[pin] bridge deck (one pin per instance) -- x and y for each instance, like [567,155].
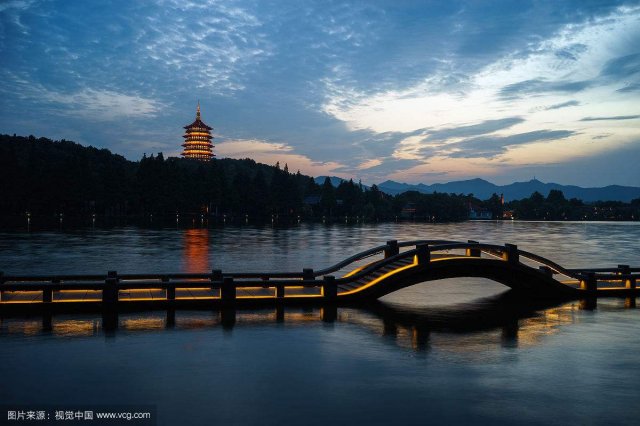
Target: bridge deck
[361,278]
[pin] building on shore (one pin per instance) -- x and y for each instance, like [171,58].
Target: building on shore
[479,213]
[197,140]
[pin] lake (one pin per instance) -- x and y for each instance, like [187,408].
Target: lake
[453,351]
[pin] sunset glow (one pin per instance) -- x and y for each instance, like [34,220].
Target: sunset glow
[415,92]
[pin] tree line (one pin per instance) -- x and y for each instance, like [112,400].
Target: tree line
[556,207]
[42,177]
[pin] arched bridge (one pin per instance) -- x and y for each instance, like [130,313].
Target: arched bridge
[518,269]
[367,275]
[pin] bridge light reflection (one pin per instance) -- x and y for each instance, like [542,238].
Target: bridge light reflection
[451,332]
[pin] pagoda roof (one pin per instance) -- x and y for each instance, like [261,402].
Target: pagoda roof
[198,123]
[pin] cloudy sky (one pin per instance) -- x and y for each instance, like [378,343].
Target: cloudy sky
[414,91]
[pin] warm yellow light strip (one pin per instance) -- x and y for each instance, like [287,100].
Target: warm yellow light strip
[195,298]
[439,259]
[255,297]
[195,288]
[382,277]
[355,271]
[139,299]
[303,295]
[257,288]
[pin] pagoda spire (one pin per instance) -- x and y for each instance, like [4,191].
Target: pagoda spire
[198,111]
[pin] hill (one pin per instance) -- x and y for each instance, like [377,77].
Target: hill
[483,189]
[48,179]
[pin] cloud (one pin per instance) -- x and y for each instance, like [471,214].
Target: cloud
[515,77]
[632,87]
[104,104]
[369,164]
[487,126]
[562,105]
[616,117]
[93,104]
[499,114]
[360,89]
[12,11]
[16,4]
[387,167]
[213,44]
[427,142]
[270,153]
[169,45]
[541,86]
[246,148]
[572,52]
[602,136]
[490,147]
[622,67]
[587,171]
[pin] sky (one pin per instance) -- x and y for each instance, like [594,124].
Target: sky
[412,91]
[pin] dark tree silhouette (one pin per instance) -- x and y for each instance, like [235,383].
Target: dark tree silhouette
[48,178]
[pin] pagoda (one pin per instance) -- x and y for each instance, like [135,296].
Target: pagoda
[197,140]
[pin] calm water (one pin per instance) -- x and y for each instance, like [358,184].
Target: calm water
[455,351]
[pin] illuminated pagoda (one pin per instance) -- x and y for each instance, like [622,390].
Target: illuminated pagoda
[197,140]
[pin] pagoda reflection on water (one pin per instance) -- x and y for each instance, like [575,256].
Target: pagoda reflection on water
[196,251]
[197,143]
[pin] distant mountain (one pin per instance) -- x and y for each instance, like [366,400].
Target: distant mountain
[477,187]
[335,181]
[482,189]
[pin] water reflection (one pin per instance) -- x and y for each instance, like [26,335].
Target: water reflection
[137,250]
[470,328]
[196,251]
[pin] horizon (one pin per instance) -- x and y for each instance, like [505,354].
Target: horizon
[355,180]
[373,91]
[533,179]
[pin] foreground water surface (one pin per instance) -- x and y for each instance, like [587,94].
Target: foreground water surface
[454,351]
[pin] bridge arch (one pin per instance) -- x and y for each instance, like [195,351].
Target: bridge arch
[518,277]
[427,262]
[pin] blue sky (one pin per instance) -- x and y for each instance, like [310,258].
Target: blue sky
[414,91]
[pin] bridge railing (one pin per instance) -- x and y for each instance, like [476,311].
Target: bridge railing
[113,282]
[504,252]
[376,266]
[304,274]
[620,273]
[374,251]
[217,280]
